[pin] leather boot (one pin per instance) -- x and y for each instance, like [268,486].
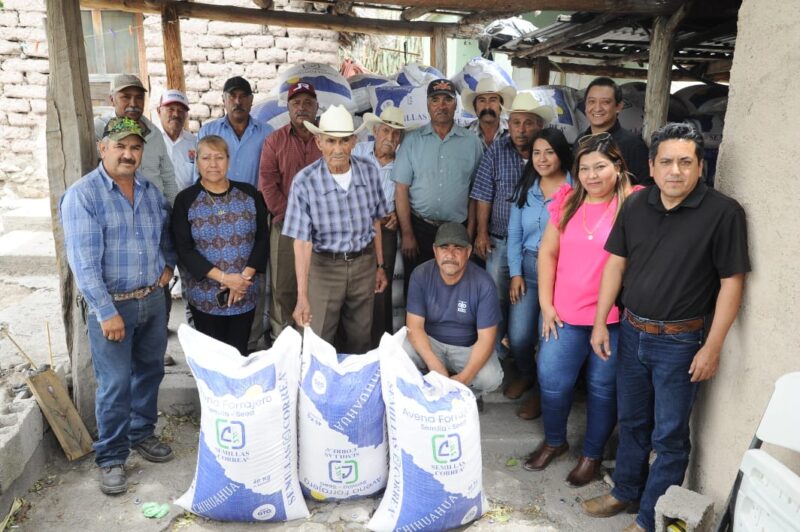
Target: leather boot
[517,387]
[603,506]
[532,407]
[542,456]
[584,472]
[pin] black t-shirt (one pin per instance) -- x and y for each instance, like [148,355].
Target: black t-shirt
[675,258]
[634,151]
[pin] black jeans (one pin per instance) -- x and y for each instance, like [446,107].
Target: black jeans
[233,330]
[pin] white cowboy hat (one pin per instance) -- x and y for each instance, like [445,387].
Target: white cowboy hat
[391,116]
[486,86]
[336,122]
[526,102]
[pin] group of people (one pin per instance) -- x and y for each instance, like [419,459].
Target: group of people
[524,257]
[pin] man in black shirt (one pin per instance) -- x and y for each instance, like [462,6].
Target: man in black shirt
[603,103]
[679,255]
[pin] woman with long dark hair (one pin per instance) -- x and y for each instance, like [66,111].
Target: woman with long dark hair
[545,172]
[571,261]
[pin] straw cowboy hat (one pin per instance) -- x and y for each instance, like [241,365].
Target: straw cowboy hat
[486,86]
[526,102]
[336,122]
[391,116]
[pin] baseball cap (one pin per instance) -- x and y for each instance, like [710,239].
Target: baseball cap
[174,96]
[441,86]
[301,87]
[119,128]
[451,233]
[123,81]
[237,82]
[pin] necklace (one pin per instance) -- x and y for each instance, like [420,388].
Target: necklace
[219,207]
[590,232]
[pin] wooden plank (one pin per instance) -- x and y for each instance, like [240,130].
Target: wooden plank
[644,7]
[99,41]
[414,12]
[278,18]
[173,53]
[70,155]
[616,72]
[61,414]
[579,33]
[541,72]
[439,51]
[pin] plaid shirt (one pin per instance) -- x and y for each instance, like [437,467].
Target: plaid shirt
[112,246]
[333,220]
[498,173]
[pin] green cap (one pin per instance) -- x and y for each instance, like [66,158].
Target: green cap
[451,233]
[119,128]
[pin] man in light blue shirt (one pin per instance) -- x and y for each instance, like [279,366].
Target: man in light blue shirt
[433,175]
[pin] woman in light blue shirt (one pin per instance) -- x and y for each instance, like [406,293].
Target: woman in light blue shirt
[544,173]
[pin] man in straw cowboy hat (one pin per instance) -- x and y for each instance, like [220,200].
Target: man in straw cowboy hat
[487,102]
[334,215]
[497,175]
[388,129]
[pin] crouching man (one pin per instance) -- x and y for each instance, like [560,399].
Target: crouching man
[452,314]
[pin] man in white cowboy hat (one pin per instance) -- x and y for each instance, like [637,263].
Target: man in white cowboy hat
[334,216]
[487,102]
[497,176]
[388,129]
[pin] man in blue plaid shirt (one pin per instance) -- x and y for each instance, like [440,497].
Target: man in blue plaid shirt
[119,249]
[334,215]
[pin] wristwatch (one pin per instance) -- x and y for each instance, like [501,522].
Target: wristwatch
[382,266]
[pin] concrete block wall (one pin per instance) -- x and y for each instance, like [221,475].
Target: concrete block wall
[212,52]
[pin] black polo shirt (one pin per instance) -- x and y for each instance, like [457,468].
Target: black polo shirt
[633,150]
[675,258]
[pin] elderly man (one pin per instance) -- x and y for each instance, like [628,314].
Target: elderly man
[680,250]
[127,98]
[452,314]
[603,104]
[433,175]
[497,176]
[245,138]
[173,110]
[286,151]
[116,234]
[388,129]
[334,216]
[487,102]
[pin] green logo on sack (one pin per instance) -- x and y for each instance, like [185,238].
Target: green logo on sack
[343,471]
[446,447]
[230,434]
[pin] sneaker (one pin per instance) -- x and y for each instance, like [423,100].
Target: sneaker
[113,480]
[153,450]
[479,401]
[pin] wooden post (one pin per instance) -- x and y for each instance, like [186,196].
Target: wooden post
[173,54]
[70,155]
[541,72]
[439,50]
[659,71]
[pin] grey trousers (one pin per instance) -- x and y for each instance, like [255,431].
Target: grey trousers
[282,279]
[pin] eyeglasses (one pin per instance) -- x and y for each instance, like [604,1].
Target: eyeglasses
[596,137]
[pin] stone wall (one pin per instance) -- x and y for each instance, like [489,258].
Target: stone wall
[212,52]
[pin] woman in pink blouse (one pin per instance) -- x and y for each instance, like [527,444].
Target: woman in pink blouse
[571,261]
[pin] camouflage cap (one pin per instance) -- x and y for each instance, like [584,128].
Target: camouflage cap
[119,128]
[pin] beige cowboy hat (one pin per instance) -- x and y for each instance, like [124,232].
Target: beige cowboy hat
[486,86]
[391,116]
[336,121]
[526,102]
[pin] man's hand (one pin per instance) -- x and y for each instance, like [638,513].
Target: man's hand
[302,312]
[381,282]
[483,245]
[463,378]
[408,245]
[438,367]
[166,277]
[517,289]
[390,221]
[601,344]
[113,328]
[704,364]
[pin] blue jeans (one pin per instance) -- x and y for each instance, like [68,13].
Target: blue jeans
[497,266]
[523,320]
[128,375]
[559,364]
[655,398]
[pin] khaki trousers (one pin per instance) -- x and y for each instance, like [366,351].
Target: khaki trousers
[282,279]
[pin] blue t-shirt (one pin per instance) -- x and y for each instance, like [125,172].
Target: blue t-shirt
[453,314]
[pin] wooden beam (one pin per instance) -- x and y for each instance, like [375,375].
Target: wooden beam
[70,155]
[279,18]
[439,51]
[414,12]
[173,53]
[642,7]
[659,72]
[597,26]
[342,7]
[263,4]
[541,72]
[617,72]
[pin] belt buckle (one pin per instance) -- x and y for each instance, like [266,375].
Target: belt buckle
[348,256]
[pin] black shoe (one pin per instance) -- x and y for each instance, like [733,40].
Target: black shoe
[113,480]
[479,400]
[153,450]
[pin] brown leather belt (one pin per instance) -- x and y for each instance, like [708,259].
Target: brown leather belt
[665,327]
[139,293]
[346,256]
